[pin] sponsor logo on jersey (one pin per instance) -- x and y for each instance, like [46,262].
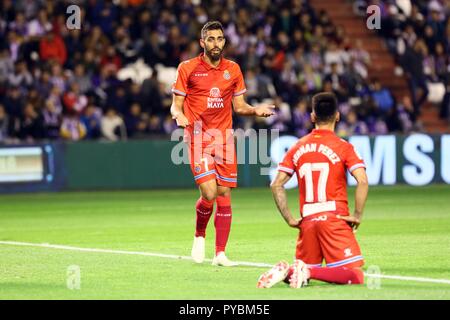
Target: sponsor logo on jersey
[215,100]
[214,92]
[226,75]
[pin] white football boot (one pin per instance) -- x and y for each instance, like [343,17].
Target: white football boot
[277,274]
[198,250]
[300,275]
[221,260]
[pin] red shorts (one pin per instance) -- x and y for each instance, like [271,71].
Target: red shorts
[324,236]
[214,162]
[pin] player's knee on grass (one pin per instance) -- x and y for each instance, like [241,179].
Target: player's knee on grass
[358,276]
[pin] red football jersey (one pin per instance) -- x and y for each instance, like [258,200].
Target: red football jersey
[320,161]
[209,91]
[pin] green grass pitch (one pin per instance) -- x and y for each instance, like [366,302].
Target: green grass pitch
[405,232]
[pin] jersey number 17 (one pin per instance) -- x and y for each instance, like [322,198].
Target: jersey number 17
[306,171]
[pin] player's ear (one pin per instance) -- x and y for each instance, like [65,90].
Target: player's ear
[338,116]
[313,117]
[202,43]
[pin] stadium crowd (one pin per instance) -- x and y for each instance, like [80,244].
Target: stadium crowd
[418,35]
[111,78]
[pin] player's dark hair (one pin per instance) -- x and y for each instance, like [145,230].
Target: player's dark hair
[324,105]
[211,25]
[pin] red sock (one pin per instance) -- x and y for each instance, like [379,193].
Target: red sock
[222,222]
[204,210]
[339,275]
[290,272]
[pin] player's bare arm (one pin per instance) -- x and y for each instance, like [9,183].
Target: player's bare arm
[362,189]
[242,108]
[279,195]
[176,109]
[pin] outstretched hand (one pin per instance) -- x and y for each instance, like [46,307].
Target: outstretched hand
[264,110]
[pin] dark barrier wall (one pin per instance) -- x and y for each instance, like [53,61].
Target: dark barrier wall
[136,164]
[417,159]
[133,164]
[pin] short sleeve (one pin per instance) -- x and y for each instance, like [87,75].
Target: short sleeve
[287,165]
[352,159]
[180,84]
[240,84]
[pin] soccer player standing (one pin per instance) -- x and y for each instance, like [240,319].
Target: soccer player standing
[320,161]
[206,91]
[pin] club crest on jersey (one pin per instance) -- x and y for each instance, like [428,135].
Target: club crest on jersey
[197,168]
[226,75]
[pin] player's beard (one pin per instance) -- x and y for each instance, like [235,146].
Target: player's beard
[213,54]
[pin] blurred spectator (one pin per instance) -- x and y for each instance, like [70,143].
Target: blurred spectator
[91,119]
[13,102]
[4,124]
[413,64]
[110,61]
[58,78]
[382,97]
[405,111]
[311,78]
[52,47]
[360,59]
[282,118]
[444,112]
[259,86]
[31,125]
[150,95]
[441,61]
[169,125]
[19,25]
[21,77]
[152,51]
[51,120]
[135,121]
[112,125]
[43,84]
[352,126]
[39,26]
[104,14]
[74,101]
[315,58]
[81,78]
[6,65]
[155,125]
[301,119]
[338,82]
[72,128]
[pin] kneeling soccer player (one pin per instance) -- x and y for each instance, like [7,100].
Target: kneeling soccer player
[320,160]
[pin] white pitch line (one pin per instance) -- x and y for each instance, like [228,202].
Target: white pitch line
[177,257]
[138,253]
